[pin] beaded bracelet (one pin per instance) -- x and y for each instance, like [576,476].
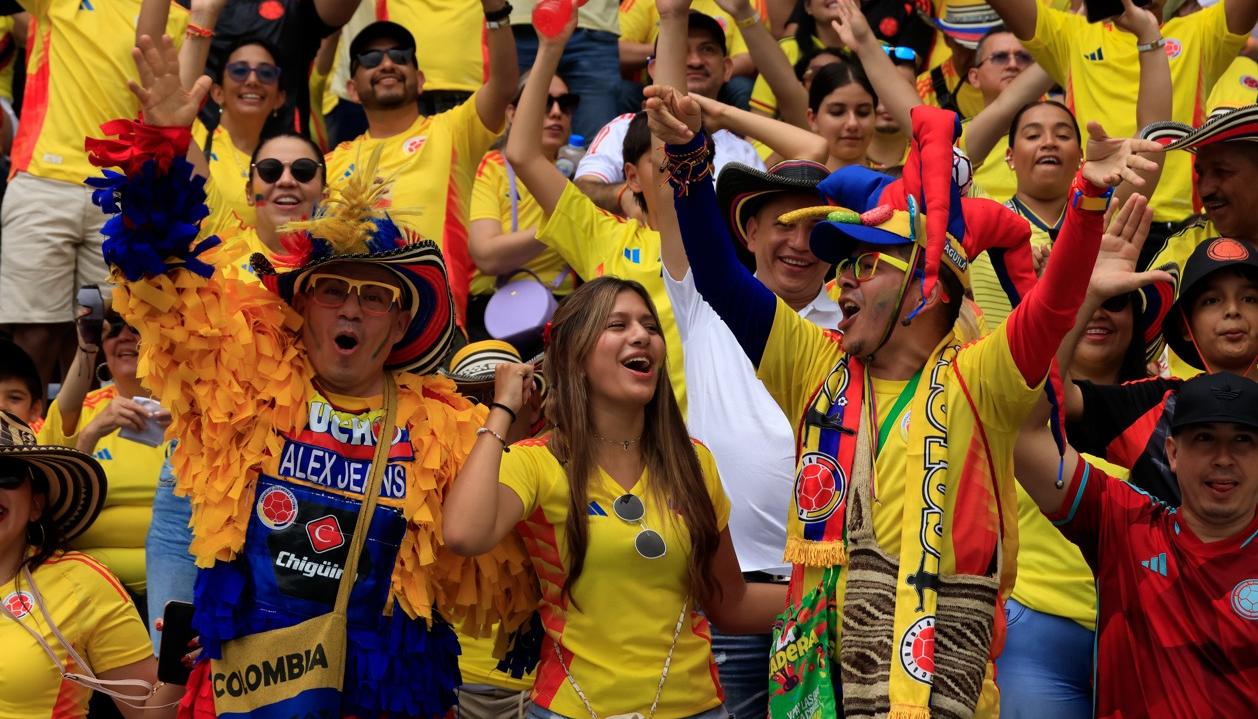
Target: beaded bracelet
[683,169]
[500,438]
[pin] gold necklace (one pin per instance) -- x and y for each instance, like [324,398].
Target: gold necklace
[624,444]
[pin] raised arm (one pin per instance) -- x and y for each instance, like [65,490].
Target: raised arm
[668,101]
[1036,461]
[195,49]
[1241,15]
[478,512]
[770,62]
[1153,102]
[992,122]
[335,13]
[504,72]
[539,174]
[1019,16]
[1036,327]
[152,19]
[788,141]
[895,93]
[164,100]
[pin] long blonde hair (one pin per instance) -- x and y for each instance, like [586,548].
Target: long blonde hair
[667,451]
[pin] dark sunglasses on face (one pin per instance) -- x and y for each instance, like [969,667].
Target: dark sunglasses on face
[398,56]
[1020,58]
[567,102]
[271,170]
[267,73]
[117,325]
[11,481]
[649,543]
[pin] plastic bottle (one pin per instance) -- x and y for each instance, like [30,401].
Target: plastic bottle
[550,16]
[570,155]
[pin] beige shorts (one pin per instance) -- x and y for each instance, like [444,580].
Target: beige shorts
[484,702]
[50,245]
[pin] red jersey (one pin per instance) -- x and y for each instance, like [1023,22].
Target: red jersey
[1177,628]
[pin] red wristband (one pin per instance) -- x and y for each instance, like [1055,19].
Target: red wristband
[195,30]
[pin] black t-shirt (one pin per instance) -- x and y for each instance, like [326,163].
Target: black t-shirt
[294,28]
[1128,424]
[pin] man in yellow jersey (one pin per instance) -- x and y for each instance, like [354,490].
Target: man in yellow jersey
[432,158]
[78,57]
[452,46]
[1096,64]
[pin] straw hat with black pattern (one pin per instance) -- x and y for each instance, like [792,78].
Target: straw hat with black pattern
[742,190]
[1224,125]
[350,227]
[966,21]
[76,483]
[1211,256]
[472,367]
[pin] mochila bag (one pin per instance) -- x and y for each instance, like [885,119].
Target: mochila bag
[299,671]
[801,685]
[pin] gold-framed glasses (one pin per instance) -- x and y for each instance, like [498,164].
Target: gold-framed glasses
[375,298]
[865,265]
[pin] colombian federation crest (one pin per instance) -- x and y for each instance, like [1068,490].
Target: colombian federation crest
[917,650]
[1245,599]
[819,487]
[277,508]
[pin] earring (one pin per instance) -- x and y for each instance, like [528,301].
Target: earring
[107,377]
[30,534]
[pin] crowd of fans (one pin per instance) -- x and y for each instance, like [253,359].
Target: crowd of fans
[741,358]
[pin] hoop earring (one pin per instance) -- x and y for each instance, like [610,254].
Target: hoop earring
[108,376]
[30,539]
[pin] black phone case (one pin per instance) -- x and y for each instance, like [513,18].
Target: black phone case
[177,632]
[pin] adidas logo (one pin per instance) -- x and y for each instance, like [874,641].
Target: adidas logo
[1157,564]
[103,455]
[1095,56]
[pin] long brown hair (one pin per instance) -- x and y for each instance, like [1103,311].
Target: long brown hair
[667,451]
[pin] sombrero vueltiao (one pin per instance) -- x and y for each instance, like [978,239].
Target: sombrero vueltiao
[967,22]
[76,482]
[1224,125]
[350,227]
[742,190]
[472,368]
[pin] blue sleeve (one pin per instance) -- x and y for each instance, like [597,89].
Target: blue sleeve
[742,302]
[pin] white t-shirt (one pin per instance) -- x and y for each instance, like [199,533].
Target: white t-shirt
[605,158]
[732,413]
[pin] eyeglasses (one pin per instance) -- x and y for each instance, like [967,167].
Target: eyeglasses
[865,266]
[567,102]
[905,54]
[302,170]
[1117,303]
[649,543]
[375,298]
[1004,57]
[239,71]
[117,325]
[398,56]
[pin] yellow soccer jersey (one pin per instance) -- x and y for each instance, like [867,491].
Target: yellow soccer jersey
[1099,67]
[969,99]
[1237,87]
[77,67]
[449,40]
[763,100]
[993,177]
[491,200]
[229,173]
[624,249]
[117,536]
[615,643]
[988,293]
[94,614]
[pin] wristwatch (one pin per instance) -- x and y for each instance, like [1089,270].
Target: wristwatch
[1157,44]
[500,18]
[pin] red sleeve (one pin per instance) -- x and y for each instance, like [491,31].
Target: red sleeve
[1037,326]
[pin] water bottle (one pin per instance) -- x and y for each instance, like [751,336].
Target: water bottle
[570,155]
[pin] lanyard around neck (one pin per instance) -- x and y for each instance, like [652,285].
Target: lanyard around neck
[906,394]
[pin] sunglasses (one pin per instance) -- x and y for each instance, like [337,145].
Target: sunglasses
[117,325]
[12,481]
[567,102]
[333,291]
[239,71]
[904,54]
[649,543]
[865,266]
[398,56]
[1020,58]
[271,170]
[1117,303]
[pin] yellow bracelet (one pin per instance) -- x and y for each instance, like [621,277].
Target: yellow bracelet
[746,22]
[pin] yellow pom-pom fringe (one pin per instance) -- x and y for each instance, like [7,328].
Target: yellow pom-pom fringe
[815,554]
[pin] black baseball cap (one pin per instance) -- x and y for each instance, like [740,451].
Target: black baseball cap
[1216,397]
[379,30]
[1209,257]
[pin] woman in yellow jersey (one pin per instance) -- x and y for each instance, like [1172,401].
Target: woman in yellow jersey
[106,423]
[66,624]
[248,93]
[505,217]
[623,515]
[842,108]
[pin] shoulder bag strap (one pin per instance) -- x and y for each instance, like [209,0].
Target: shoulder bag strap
[371,493]
[514,193]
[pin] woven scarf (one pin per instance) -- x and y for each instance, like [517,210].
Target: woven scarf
[893,660]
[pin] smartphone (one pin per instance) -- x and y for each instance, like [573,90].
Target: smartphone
[177,634]
[92,324]
[153,433]
[1100,10]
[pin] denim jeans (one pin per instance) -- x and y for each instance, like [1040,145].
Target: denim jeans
[536,712]
[742,661]
[591,67]
[1046,667]
[170,567]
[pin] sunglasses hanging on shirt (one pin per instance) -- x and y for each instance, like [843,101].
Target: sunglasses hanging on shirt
[629,508]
